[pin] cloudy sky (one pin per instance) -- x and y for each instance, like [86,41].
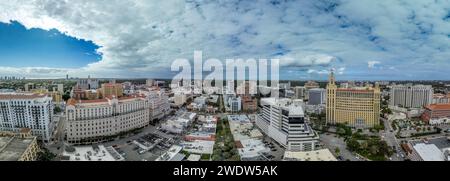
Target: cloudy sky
[360,39]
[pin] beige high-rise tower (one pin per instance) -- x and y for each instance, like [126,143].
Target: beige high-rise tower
[357,107]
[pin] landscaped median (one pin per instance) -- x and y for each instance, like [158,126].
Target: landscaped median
[224,148]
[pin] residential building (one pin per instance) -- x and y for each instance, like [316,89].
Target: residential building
[87,84]
[180,99]
[94,121]
[411,96]
[26,110]
[284,121]
[109,90]
[150,82]
[159,103]
[357,107]
[299,92]
[249,104]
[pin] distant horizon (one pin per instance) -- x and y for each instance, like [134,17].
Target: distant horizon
[143,78]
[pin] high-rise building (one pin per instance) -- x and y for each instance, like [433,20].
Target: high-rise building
[249,104]
[150,82]
[180,99]
[284,121]
[94,121]
[112,90]
[357,107]
[235,104]
[159,104]
[87,84]
[299,92]
[29,87]
[25,110]
[411,96]
[317,96]
[60,88]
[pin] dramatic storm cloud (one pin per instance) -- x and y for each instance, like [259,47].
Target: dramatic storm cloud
[361,39]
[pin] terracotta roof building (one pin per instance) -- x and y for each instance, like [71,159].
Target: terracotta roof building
[437,114]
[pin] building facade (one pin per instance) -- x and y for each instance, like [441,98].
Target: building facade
[18,146]
[159,104]
[409,96]
[284,121]
[111,90]
[24,110]
[357,107]
[436,114]
[299,92]
[94,121]
[317,96]
[441,99]
[249,104]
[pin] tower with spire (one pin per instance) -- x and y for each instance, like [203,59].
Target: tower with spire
[331,98]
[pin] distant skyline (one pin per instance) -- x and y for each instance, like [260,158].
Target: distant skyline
[360,39]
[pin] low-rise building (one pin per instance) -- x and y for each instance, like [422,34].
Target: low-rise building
[179,124]
[428,152]
[436,114]
[317,155]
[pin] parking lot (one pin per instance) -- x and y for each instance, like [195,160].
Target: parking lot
[148,145]
[276,150]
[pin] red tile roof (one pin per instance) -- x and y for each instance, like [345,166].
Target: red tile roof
[21,96]
[435,107]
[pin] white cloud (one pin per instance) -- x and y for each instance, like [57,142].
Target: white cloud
[143,37]
[372,64]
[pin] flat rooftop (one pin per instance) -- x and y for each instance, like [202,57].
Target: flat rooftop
[429,152]
[12,148]
[317,155]
[93,153]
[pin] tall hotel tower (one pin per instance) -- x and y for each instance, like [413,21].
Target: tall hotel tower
[357,107]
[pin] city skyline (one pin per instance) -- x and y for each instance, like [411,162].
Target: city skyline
[361,40]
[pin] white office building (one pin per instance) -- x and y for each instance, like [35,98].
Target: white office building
[284,121]
[409,96]
[34,111]
[235,104]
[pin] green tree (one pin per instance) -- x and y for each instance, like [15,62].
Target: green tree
[45,155]
[57,109]
[66,96]
[353,145]
[337,151]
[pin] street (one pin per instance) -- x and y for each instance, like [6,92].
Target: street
[388,134]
